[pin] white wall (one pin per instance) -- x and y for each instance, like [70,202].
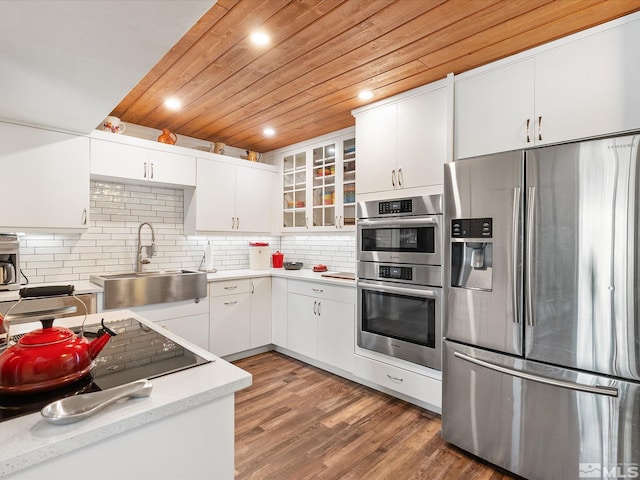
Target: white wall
[110,244]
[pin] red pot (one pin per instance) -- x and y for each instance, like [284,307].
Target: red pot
[49,357]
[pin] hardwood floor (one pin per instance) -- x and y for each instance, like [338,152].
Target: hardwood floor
[298,422]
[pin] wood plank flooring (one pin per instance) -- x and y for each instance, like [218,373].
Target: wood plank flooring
[298,422]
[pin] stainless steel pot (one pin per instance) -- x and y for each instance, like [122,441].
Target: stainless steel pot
[7,273]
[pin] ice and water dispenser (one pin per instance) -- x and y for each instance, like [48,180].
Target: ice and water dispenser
[472,253]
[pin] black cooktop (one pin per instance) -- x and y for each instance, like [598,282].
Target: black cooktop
[137,352]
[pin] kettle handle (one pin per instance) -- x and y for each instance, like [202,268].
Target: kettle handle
[47,291]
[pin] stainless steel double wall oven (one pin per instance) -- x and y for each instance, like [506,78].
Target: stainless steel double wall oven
[400,278]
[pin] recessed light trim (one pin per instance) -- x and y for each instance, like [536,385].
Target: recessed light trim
[260,38]
[269,132]
[173,103]
[365,95]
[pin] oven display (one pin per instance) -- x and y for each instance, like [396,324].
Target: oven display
[395,206]
[398,273]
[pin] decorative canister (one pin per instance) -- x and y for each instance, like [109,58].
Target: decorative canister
[167,137]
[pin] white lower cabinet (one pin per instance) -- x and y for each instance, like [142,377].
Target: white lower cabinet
[279,319]
[320,322]
[240,315]
[412,384]
[188,319]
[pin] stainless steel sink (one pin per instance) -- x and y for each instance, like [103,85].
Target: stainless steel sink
[133,289]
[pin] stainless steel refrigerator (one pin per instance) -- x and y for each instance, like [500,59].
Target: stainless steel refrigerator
[541,358]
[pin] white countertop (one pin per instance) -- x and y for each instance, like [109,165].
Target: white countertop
[29,439]
[303,274]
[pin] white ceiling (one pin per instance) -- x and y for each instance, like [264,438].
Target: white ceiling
[68,63]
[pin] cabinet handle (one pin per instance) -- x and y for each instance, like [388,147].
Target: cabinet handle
[84,216]
[145,170]
[233,223]
[237,223]
[229,304]
[319,304]
[151,176]
[393,178]
[341,222]
[540,127]
[337,224]
[400,177]
[315,303]
[318,290]
[253,289]
[231,287]
[528,130]
[306,222]
[395,379]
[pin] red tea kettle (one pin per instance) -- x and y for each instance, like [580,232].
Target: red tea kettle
[49,357]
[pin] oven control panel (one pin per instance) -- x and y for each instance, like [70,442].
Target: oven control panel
[394,272]
[395,206]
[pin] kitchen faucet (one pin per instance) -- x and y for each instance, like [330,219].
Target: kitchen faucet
[149,249]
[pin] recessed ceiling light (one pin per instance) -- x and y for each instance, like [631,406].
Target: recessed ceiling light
[260,38]
[365,95]
[173,103]
[269,132]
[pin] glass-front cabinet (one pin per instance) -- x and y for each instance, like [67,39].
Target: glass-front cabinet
[319,189]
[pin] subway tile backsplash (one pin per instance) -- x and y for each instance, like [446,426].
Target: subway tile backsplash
[110,243]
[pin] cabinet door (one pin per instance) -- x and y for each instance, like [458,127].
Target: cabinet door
[194,329]
[230,324]
[376,146]
[422,139]
[279,311]
[118,160]
[260,312]
[46,179]
[172,168]
[336,333]
[589,87]
[302,324]
[253,199]
[215,196]
[492,110]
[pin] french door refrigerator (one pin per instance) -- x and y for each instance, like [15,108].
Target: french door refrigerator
[541,358]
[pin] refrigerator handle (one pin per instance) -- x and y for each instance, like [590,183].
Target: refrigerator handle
[515,257]
[600,390]
[529,255]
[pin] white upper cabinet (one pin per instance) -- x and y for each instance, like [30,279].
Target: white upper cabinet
[46,179]
[319,185]
[577,88]
[493,110]
[134,160]
[402,142]
[230,197]
[589,87]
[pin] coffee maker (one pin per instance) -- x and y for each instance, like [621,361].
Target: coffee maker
[9,262]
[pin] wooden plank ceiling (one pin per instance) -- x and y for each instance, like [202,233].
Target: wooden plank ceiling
[323,52]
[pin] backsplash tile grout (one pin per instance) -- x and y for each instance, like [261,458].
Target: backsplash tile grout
[110,243]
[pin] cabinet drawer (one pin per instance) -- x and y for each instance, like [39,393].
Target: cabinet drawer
[420,387]
[323,290]
[229,287]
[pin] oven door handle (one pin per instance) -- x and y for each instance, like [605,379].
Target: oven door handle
[414,292]
[399,222]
